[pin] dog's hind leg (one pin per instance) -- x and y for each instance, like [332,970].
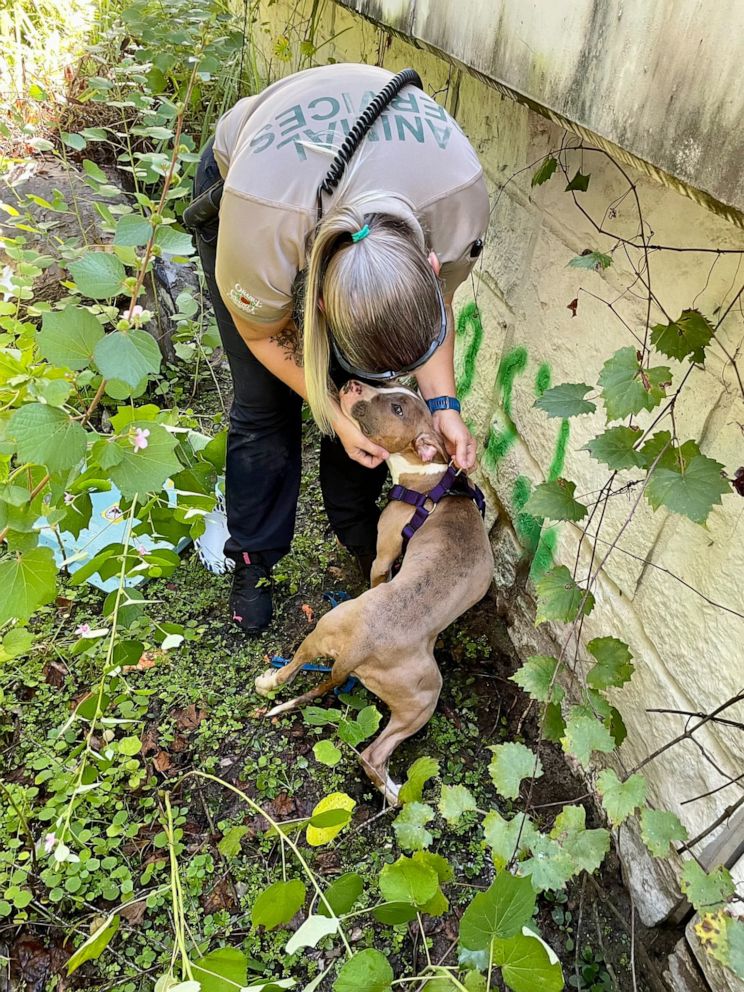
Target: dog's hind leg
[411,706]
[273,678]
[306,697]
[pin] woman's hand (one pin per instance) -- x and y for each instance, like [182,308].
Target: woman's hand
[356,445]
[459,442]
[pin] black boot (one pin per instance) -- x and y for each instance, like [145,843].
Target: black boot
[250,597]
[364,557]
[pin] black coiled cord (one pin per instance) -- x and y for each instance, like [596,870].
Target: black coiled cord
[363,123]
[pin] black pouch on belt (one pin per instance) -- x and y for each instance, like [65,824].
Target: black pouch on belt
[204,208]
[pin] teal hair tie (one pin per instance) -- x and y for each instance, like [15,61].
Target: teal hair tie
[360,234]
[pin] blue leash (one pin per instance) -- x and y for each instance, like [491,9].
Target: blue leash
[334,598]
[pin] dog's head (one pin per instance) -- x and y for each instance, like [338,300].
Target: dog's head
[393,417]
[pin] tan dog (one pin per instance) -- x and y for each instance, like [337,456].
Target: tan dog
[386,636]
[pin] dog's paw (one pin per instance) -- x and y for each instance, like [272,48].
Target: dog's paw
[266,683]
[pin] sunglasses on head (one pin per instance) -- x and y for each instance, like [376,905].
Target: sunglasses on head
[347,366]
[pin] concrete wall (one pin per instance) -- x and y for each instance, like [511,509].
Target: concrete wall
[687,651]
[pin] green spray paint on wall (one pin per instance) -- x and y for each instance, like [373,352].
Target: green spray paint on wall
[539,542]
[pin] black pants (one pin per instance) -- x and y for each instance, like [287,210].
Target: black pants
[264,440]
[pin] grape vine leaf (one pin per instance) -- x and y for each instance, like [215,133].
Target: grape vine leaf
[47,436]
[735,938]
[526,963]
[560,598]
[146,470]
[537,678]
[555,501]
[419,774]
[439,864]
[69,337]
[591,260]
[566,400]
[511,763]
[659,828]
[707,891]
[614,667]
[366,971]
[278,903]
[408,880]
[689,334]
[550,867]
[620,799]
[692,492]
[410,826]
[627,388]
[553,724]
[615,448]
[508,838]
[584,735]
[545,171]
[454,801]
[501,911]
[128,356]
[98,275]
[579,182]
[229,846]
[660,451]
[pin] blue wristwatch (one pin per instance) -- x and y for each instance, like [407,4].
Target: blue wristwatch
[443,403]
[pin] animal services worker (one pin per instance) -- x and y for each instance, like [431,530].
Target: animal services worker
[304,304]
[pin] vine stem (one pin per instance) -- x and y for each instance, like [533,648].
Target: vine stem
[727,814]
[284,838]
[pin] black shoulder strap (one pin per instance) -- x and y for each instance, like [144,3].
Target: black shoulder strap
[363,123]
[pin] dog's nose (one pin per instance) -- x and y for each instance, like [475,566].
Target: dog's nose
[352,386]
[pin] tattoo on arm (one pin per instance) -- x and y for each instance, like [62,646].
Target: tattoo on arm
[289,340]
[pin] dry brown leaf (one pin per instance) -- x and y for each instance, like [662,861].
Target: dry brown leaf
[148,660]
[134,912]
[55,673]
[222,896]
[149,740]
[308,611]
[162,761]
[189,717]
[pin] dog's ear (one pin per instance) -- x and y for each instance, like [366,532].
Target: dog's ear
[428,445]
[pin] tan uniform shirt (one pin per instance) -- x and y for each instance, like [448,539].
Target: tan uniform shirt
[274,149]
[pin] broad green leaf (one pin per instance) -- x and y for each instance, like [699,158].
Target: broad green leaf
[47,436]
[17,643]
[408,880]
[553,724]
[132,230]
[560,598]
[659,828]
[94,171]
[566,400]
[95,945]
[392,914]
[75,141]
[614,667]
[223,970]
[342,894]
[174,242]
[526,965]
[128,356]
[550,866]
[146,470]
[586,848]
[693,492]
[707,891]
[620,799]
[438,905]
[579,182]
[278,904]
[326,753]
[312,931]
[69,337]
[229,846]
[28,581]
[585,735]
[353,732]
[441,866]
[660,451]
[454,801]
[499,912]
[511,763]
[615,448]
[317,836]
[98,275]
[545,171]
[555,501]
[419,774]
[591,260]
[537,678]
[735,938]
[689,334]
[410,826]
[627,388]
[366,971]
[508,838]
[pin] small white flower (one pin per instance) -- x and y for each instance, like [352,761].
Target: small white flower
[49,842]
[139,440]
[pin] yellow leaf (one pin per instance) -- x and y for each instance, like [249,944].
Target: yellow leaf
[317,836]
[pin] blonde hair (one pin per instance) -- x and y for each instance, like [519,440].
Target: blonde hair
[379,295]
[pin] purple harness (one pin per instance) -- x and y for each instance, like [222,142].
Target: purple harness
[453,483]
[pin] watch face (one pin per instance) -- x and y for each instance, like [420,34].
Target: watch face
[476,248]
